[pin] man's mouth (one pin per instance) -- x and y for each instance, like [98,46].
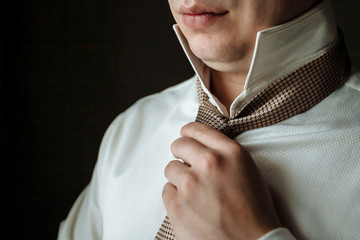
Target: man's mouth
[196,9]
[205,13]
[198,17]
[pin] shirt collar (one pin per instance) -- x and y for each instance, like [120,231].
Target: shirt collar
[278,51]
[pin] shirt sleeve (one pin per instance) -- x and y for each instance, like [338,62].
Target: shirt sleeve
[85,220]
[278,234]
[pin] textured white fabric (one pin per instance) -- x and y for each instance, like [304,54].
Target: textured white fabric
[311,162]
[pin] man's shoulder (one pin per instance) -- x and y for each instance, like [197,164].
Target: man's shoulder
[162,113]
[160,103]
[153,109]
[167,97]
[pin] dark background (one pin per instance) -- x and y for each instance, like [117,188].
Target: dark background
[68,69]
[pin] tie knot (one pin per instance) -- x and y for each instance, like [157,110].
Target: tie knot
[215,119]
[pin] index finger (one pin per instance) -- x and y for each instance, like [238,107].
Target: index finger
[206,135]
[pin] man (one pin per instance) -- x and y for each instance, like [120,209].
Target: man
[294,176]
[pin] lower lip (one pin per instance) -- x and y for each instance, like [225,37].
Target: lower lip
[201,20]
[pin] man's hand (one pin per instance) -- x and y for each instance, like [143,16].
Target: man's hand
[218,193]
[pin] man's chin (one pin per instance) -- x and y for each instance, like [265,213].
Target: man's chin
[222,66]
[207,53]
[218,58]
[216,61]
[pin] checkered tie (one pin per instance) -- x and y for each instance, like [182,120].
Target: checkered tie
[286,97]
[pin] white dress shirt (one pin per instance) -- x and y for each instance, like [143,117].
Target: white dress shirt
[311,162]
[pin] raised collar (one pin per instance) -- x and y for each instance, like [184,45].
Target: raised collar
[278,51]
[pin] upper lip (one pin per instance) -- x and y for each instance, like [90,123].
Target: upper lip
[201,10]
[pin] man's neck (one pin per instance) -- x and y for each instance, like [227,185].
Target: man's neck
[227,86]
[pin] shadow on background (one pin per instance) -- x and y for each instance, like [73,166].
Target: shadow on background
[68,69]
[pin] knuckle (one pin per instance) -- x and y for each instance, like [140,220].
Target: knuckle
[165,192]
[201,129]
[174,146]
[169,168]
[239,153]
[236,149]
[171,203]
[178,144]
[188,183]
[209,161]
[173,206]
[186,129]
[194,129]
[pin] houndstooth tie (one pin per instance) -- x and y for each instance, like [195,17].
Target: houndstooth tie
[286,97]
